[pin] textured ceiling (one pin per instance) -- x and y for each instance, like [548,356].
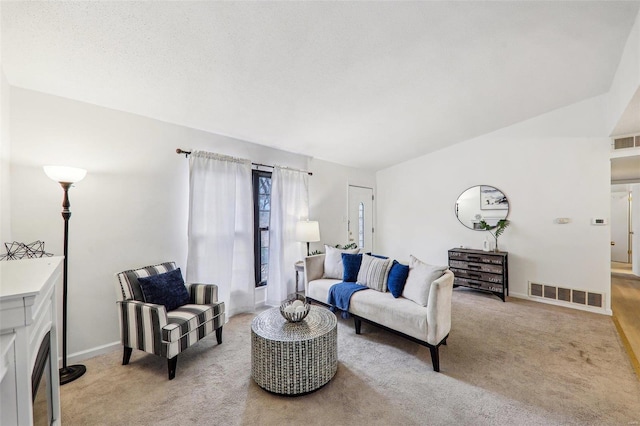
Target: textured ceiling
[366,84]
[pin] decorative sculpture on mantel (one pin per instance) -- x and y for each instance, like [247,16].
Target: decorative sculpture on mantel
[17,250]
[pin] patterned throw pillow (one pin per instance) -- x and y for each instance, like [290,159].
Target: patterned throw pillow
[418,284]
[333,267]
[166,289]
[374,272]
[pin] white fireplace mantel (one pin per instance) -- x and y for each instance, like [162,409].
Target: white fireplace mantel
[27,314]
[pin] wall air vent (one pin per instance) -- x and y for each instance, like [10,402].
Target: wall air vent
[622,142]
[566,295]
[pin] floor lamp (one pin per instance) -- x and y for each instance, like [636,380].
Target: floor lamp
[66,176]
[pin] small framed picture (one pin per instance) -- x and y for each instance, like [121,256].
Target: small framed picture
[492,199]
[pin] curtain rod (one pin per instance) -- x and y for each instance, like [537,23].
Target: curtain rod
[186,155]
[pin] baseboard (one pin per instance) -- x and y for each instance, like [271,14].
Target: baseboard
[90,353]
[601,311]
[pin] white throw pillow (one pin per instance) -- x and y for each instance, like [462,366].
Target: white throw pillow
[374,272]
[333,267]
[421,275]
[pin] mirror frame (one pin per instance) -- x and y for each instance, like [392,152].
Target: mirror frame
[478,216]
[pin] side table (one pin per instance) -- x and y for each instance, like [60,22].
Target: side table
[299,269]
[294,358]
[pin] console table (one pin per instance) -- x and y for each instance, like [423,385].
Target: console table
[481,270]
[294,358]
[28,338]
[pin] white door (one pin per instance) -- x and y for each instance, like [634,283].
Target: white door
[360,225]
[620,227]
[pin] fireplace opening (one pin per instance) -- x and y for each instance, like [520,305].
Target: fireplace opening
[41,395]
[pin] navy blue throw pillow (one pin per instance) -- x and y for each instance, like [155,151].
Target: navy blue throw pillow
[379,256]
[165,289]
[397,278]
[351,263]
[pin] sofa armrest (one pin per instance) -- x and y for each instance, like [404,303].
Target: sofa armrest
[203,294]
[439,308]
[313,269]
[141,325]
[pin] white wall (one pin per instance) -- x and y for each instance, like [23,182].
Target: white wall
[329,202]
[130,210]
[627,79]
[5,155]
[555,165]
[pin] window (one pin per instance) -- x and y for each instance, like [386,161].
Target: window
[361,225]
[261,216]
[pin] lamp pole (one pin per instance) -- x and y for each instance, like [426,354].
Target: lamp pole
[66,176]
[67,373]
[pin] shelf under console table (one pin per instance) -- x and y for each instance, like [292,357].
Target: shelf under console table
[480,270]
[28,338]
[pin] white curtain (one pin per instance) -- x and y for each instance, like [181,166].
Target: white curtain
[221,228]
[289,204]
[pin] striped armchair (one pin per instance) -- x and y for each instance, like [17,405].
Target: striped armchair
[150,328]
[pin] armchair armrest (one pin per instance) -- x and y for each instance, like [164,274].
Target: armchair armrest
[141,325]
[203,294]
[313,268]
[439,308]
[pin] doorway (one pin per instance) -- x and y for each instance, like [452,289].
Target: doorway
[360,225]
[621,227]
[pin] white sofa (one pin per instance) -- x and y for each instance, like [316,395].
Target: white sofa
[428,326]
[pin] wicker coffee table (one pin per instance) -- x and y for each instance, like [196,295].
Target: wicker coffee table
[294,358]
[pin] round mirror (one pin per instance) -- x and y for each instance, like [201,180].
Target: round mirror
[479,203]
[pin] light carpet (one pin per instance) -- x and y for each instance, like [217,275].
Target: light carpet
[513,363]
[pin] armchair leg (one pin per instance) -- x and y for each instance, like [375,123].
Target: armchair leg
[219,335]
[172,363]
[127,355]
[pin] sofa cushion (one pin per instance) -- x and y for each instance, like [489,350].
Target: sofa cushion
[399,314]
[333,267]
[419,280]
[351,263]
[397,278]
[374,272]
[166,289]
[319,289]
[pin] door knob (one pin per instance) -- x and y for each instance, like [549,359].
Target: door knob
[613,243]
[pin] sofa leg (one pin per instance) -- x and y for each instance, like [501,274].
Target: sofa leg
[357,322]
[219,335]
[127,355]
[435,358]
[172,363]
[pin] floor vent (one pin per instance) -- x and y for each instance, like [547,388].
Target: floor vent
[626,142]
[568,295]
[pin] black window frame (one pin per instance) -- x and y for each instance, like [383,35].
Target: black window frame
[257,230]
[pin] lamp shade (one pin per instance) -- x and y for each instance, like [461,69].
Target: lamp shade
[308,231]
[65,174]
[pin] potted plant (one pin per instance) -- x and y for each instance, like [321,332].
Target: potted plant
[496,230]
